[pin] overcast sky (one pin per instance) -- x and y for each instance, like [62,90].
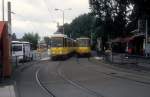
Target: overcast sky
[39,15]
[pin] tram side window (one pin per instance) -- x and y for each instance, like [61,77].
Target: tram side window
[72,43]
[69,42]
[65,42]
[49,43]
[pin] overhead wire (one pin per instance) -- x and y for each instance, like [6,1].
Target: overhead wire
[48,9]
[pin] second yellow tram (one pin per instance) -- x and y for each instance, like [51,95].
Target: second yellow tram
[83,46]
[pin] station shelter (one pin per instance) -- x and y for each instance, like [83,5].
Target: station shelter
[132,44]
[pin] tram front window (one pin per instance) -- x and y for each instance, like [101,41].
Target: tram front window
[57,42]
[83,43]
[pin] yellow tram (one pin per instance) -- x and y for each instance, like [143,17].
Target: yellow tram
[61,45]
[83,46]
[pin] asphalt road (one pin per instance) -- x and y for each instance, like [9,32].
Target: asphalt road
[77,77]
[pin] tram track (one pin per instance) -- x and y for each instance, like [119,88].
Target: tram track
[76,84]
[85,89]
[18,73]
[67,80]
[42,86]
[31,81]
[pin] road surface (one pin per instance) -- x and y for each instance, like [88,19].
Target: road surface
[78,77]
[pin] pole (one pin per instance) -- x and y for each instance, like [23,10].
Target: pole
[9,17]
[91,38]
[63,22]
[138,25]
[63,12]
[9,12]
[146,37]
[3,10]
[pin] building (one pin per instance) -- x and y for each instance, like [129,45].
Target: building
[5,63]
[134,44]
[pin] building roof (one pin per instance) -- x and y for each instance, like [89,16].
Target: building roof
[83,38]
[59,35]
[127,39]
[20,42]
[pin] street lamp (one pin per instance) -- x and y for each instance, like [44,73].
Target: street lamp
[62,10]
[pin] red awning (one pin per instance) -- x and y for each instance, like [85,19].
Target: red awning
[127,39]
[1,28]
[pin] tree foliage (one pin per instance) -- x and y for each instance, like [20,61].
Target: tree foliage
[112,14]
[109,19]
[46,40]
[33,38]
[13,36]
[120,16]
[80,26]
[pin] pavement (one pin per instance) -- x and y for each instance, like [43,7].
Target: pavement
[7,91]
[102,80]
[122,59]
[78,78]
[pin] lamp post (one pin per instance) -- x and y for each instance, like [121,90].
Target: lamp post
[63,14]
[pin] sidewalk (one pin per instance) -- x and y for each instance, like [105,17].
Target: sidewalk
[121,72]
[141,62]
[7,91]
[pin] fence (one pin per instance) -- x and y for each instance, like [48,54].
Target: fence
[18,61]
[130,60]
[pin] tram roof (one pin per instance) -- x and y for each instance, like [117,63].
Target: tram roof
[59,35]
[83,38]
[23,42]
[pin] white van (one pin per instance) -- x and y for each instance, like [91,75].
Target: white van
[21,50]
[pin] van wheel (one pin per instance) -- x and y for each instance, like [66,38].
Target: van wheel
[53,58]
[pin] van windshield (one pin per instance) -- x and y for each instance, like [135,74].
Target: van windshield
[17,48]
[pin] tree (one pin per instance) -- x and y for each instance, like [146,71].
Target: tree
[141,11]
[46,39]
[80,26]
[123,13]
[113,13]
[14,37]
[118,17]
[112,18]
[33,38]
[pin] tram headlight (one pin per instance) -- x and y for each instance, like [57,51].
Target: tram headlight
[53,52]
[60,52]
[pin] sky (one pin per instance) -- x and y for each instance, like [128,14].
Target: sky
[39,16]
